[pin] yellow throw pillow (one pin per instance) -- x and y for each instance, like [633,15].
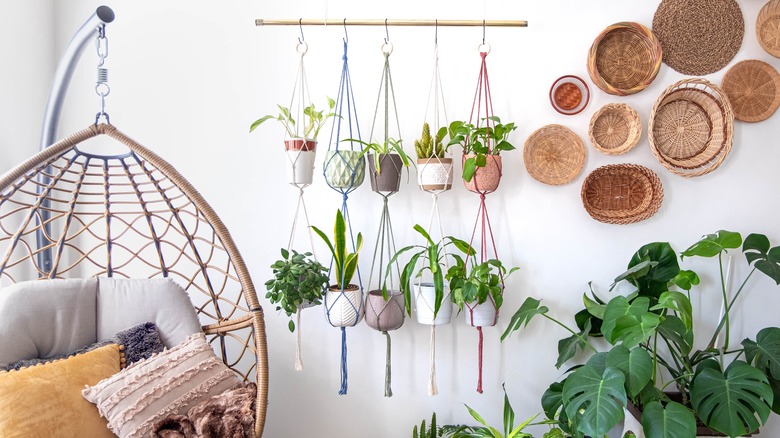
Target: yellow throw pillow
[45,400]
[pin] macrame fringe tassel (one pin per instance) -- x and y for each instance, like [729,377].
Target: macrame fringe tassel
[479,381]
[433,389]
[343,389]
[388,372]
[298,361]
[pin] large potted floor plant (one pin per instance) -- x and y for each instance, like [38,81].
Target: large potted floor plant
[482,146]
[651,360]
[301,142]
[434,173]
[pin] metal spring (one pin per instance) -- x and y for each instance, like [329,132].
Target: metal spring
[102,76]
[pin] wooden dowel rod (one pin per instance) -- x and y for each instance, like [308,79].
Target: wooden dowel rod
[389,22]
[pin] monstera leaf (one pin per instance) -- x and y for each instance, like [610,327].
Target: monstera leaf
[595,400]
[629,322]
[673,421]
[567,347]
[636,365]
[524,314]
[732,402]
[764,353]
[662,267]
[767,260]
[714,244]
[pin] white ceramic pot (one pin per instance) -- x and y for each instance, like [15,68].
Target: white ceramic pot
[300,166]
[424,302]
[481,315]
[344,308]
[434,174]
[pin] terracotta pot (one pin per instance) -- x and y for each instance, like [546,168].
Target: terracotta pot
[389,177]
[300,166]
[434,174]
[424,302]
[344,169]
[481,315]
[384,315]
[486,179]
[300,144]
[344,308]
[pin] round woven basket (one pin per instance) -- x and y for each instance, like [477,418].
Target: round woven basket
[768,28]
[615,129]
[753,88]
[569,95]
[624,59]
[622,193]
[554,154]
[691,127]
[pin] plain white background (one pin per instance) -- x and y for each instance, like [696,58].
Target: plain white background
[188,78]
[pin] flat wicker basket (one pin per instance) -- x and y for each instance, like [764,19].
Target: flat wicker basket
[753,88]
[624,59]
[615,129]
[554,154]
[622,193]
[691,127]
[768,28]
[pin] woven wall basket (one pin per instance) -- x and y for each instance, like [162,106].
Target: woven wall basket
[753,88]
[554,154]
[768,28]
[615,129]
[622,193]
[691,127]
[624,59]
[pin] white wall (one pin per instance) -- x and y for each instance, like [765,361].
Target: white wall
[188,77]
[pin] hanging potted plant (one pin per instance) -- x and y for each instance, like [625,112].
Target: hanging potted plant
[301,142]
[719,389]
[389,155]
[298,282]
[479,288]
[343,300]
[482,146]
[435,170]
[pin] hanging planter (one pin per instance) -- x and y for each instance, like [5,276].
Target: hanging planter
[487,178]
[344,308]
[344,169]
[389,179]
[301,153]
[425,305]
[481,315]
[434,174]
[384,314]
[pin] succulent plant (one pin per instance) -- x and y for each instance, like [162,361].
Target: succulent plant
[425,432]
[427,146]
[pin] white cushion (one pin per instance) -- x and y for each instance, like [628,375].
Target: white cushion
[123,303]
[43,318]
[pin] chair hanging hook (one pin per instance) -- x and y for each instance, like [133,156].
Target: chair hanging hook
[101,86]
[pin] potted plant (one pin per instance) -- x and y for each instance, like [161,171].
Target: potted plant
[435,170]
[343,300]
[298,282]
[301,143]
[479,288]
[482,146]
[652,349]
[430,305]
[431,431]
[389,154]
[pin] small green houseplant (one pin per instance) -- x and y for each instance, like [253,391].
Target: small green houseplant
[487,431]
[434,168]
[310,127]
[433,255]
[427,432]
[650,335]
[473,283]
[428,146]
[479,142]
[298,280]
[380,150]
[345,263]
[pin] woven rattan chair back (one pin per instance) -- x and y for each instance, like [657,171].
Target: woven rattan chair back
[132,215]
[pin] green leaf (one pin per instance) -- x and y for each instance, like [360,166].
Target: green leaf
[596,400]
[632,331]
[764,353]
[552,399]
[567,347]
[482,421]
[663,267]
[678,302]
[714,244]
[509,414]
[593,307]
[524,314]
[259,121]
[291,326]
[469,168]
[766,259]
[636,365]
[732,402]
[619,307]
[673,329]
[775,384]
[673,421]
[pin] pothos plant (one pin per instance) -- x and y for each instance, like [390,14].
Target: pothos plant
[651,349]
[489,139]
[308,128]
[298,280]
[475,282]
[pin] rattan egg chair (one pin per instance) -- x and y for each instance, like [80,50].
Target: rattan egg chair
[132,215]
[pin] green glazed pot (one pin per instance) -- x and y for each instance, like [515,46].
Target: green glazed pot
[344,169]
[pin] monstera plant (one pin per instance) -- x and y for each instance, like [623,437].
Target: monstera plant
[651,361]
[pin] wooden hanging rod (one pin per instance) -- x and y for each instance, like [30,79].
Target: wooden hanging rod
[390,22]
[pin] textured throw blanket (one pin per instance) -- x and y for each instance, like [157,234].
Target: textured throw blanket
[228,415]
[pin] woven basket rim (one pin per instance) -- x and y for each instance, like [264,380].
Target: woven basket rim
[653,50]
[770,11]
[698,165]
[629,115]
[564,141]
[651,203]
[583,87]
[742,100]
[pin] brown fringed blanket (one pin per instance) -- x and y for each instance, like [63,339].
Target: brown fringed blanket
[228,415]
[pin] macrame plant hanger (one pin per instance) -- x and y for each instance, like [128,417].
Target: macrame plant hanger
[385,305]
[481,115]
[344,171]
[434,177]
[300,153]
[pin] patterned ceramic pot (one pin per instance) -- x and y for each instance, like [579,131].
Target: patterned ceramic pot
[344,169]
[434,174]
[486,179]
[344,308]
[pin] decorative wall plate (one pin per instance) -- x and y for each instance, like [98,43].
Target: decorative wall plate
[554,154]
[569,95]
